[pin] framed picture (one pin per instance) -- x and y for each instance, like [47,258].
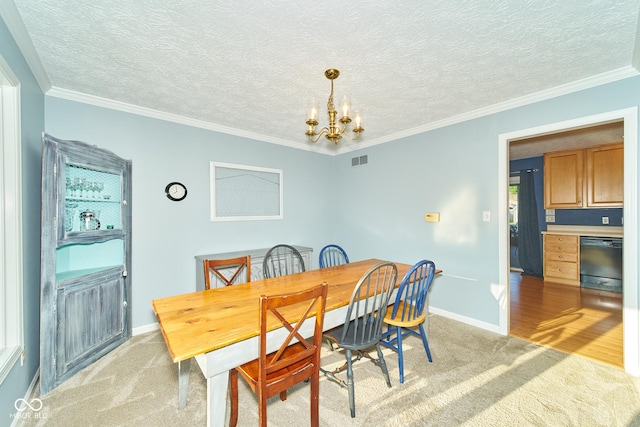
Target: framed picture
[240,193]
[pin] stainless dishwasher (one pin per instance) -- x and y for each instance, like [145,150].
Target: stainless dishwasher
[601,263]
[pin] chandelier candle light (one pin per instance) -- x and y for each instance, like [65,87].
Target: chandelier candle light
[334,131]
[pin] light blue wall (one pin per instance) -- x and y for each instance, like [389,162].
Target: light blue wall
[373,210]
[454,171]
[167,235]
[32,124]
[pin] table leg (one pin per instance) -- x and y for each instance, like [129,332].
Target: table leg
[217,386]
[184,366]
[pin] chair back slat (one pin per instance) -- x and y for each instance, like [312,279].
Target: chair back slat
[411,298]
[368,305]
[227,271]
[314,301]
[282,260]
[332,255]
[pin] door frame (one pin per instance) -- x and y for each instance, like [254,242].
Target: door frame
[630,315]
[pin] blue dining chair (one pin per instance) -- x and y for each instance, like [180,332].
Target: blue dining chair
[332,255]
[408,311]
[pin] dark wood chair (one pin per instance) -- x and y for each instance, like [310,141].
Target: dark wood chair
[227,270]
[291,364]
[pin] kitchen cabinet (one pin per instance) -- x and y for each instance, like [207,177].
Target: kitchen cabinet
[561,255]
[85,257]
[605,176]
[586,178]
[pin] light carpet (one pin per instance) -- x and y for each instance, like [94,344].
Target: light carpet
[477,378]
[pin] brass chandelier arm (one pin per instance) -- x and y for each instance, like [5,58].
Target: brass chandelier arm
[317,135]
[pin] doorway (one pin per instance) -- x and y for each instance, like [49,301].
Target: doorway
[631,336]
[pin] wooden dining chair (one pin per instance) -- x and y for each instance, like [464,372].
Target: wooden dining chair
[291,364]
[227,270]
[332,255]
[362,328]
[408,311]
[282,260]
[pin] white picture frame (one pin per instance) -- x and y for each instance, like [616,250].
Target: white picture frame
[245,193]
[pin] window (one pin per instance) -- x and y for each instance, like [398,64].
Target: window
[245,193]
[514,187]
[11,327]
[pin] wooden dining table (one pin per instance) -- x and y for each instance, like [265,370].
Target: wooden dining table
[219,327]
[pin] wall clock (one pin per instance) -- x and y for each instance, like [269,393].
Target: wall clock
[175,191]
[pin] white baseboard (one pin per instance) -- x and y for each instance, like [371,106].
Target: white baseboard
[464,319]
[17,420]
[144,329]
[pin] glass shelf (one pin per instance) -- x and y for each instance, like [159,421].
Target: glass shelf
[79,199]
[92,199]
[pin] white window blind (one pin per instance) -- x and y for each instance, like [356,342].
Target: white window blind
[241,192]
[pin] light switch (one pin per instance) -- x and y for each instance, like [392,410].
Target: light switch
[486,216]
[432,217]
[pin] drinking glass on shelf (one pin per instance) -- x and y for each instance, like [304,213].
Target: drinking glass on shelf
[99,187]
[69,187]
[78,184]
[87,187]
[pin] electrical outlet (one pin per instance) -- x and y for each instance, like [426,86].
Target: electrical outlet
[605,220]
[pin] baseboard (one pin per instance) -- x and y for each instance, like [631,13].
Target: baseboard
[464,319]
[145,328]
[17,420]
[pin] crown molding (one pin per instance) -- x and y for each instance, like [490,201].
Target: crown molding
[597,80]
[576,86]
[13,21]
[97,101]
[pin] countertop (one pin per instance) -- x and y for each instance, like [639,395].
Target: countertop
[585,230]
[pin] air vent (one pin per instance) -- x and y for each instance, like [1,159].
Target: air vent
[362,160]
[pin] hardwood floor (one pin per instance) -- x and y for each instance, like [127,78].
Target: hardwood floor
[569,319]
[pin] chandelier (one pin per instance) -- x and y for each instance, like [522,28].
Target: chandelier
[335,131]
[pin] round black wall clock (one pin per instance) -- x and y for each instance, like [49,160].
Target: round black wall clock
[175,191]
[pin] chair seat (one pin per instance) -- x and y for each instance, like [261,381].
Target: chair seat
[408,323]
[281,379]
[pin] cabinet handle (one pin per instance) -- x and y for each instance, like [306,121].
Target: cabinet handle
[560,256]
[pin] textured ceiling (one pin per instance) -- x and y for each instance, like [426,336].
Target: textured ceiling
[250,67]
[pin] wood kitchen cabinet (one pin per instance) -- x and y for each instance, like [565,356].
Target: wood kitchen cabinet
[562,258]
[563,179]
[587,178]
[605,176]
